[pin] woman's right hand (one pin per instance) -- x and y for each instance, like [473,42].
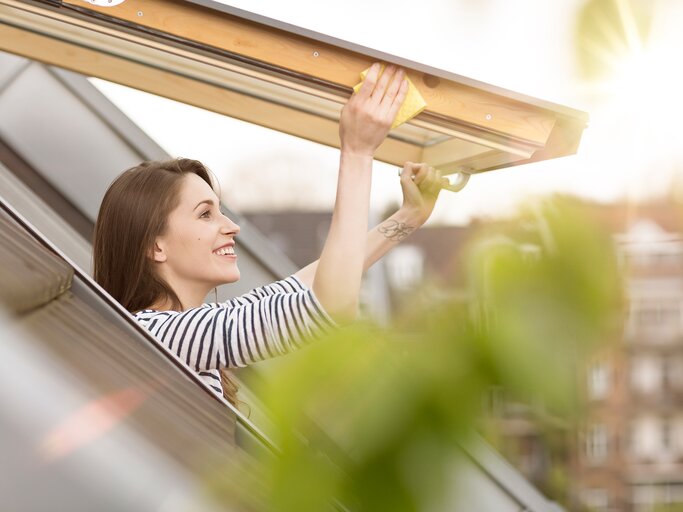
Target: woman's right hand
[368,115]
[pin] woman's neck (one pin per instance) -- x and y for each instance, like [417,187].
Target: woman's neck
[190,294]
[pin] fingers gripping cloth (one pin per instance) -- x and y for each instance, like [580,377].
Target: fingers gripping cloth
[412,105]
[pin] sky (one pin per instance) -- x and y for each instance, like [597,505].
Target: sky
[629,150]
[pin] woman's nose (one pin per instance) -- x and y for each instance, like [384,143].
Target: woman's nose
[230,227]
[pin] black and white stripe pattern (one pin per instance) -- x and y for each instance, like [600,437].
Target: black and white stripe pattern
[265,322]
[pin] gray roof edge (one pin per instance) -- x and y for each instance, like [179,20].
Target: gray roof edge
[106,304]
[394,59]
[254,241]
[109,113]
[509,478]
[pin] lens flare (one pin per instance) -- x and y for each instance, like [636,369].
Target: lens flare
[92,421]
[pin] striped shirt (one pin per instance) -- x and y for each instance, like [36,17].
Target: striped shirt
[265,322]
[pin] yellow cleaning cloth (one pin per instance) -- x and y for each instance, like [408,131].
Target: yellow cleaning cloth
[412,105]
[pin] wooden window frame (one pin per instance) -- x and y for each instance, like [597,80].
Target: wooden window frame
[284,78]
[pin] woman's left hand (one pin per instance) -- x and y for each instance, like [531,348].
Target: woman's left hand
[421,185]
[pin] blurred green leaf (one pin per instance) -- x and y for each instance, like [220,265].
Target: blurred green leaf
[545,292]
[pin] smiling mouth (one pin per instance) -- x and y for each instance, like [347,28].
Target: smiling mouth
[225,251]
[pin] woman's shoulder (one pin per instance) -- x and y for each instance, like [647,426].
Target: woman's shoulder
[290,284]
[154,313]
[146,314]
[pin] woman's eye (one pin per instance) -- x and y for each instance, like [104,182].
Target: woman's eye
[205,214]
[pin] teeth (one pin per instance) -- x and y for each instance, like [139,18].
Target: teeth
[225,250]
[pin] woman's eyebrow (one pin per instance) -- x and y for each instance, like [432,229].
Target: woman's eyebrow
[207,201]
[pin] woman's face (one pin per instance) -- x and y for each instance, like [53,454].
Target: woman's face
[197,248]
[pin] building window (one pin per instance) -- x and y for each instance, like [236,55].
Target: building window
[660,315]
[598,380]
[674,372]
[405,266]
[596,443]
[666,434]
[664,496]
[596,499]
[646,373]
[647,437]
[666,373]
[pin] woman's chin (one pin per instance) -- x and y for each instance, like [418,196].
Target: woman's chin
[232,277]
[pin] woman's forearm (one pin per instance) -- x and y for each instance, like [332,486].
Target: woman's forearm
[337,277]
[378,241]
[389,234]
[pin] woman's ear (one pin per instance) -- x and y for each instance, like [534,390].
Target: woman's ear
[158,253]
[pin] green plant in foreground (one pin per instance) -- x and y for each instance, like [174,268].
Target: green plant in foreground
[398,400]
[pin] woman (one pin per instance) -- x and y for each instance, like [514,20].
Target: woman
[161,244]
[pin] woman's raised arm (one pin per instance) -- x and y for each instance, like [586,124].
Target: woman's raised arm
[421,185]
[365,122]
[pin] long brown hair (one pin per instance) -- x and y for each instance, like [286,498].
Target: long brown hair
[133,213]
